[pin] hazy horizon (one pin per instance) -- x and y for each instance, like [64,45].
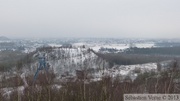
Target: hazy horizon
[93,18]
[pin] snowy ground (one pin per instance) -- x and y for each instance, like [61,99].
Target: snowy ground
[128,70]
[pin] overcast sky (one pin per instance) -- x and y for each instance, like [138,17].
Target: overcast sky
[90,18]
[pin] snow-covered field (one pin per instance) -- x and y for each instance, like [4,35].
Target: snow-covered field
[97,46]
[30,45]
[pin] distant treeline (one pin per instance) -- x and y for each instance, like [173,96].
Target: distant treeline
[141,55]
[155,51]
[168,44]
[131,59]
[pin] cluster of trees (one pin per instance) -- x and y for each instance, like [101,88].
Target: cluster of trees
[107,89]
[9,58]
[154,51]
[111,50]
[168,44]
[131,59]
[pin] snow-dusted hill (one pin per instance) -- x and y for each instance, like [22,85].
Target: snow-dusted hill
[65,63]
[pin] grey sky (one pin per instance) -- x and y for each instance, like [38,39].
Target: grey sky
[90,18]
